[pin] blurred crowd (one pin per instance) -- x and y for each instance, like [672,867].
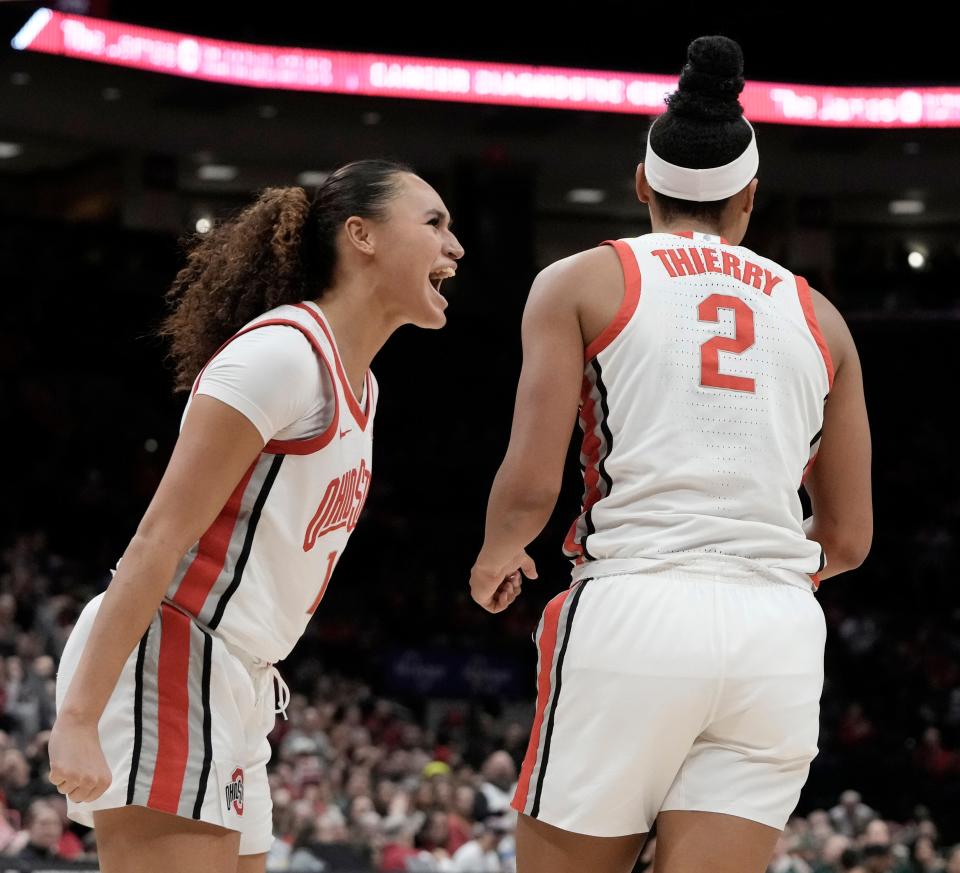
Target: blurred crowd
[361,781]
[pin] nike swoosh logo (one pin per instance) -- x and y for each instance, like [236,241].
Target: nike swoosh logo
[343,433]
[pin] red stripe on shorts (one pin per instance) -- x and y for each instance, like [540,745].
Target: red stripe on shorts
[173,743]
[548,645]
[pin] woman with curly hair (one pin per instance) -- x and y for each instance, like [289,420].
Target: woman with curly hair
[166,691]
[680,674]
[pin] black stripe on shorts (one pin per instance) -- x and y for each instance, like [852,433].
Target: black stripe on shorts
[207,741]
[137,717]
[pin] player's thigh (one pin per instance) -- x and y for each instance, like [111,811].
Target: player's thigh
[252,863]
[141,839]
[543,848]
[692,842]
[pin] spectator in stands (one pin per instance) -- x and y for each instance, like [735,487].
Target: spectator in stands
[7,831]
[784,860]
[851,816]
[933,757]
[15,780]
[398,848]
[480,855]
[41,840]
[924,857]
[953,860]
[462,814]
[499,781]
[831,854]
[876,858]
[9,630]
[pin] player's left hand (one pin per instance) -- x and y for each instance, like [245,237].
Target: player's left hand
[495,588]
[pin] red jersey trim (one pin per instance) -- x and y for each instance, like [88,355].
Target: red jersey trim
[808,468]
[290,447]
[212,548]
[806,303]
[590,450]
[361,416]
[631,297]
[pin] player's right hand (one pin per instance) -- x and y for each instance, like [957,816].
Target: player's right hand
[495,588]
[77,765]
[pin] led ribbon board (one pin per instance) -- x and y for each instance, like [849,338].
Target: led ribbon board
[377,75]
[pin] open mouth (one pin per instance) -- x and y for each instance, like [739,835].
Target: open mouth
[437,277]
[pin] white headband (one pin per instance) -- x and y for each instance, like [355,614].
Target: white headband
[713,183]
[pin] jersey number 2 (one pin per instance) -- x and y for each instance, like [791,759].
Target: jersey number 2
[710,375]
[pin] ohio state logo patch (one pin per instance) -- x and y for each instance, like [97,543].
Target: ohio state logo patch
[233,792]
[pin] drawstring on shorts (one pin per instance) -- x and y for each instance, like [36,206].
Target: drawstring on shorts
[255,666]
[282,699]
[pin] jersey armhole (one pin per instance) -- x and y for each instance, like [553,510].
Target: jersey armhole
[631,297]
[806,303]
[291,447]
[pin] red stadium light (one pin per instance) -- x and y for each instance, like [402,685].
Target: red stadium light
[375,75]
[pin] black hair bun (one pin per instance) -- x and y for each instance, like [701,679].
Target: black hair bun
[711,81]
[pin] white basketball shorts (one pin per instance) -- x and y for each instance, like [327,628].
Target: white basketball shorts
[678,688]
[185,730]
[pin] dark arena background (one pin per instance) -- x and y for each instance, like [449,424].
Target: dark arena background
[412,705]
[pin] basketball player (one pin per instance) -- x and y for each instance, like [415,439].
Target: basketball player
[166,687]
[680,675]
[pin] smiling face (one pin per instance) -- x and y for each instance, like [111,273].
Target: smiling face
[415,251]
[420,252]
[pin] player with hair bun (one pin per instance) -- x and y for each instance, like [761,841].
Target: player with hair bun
[680,675]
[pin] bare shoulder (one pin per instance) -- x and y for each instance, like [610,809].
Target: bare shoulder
[833,326]
[589,283]
[593,266]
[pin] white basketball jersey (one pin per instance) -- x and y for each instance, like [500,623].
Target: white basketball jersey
[259,572]
[701,409]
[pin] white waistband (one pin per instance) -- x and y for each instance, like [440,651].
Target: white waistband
[724,568]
